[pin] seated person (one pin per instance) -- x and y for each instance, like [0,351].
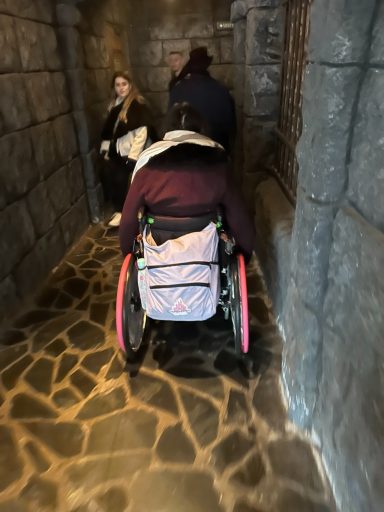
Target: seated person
[186,174]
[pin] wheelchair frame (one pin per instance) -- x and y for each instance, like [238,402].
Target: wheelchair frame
[131,318]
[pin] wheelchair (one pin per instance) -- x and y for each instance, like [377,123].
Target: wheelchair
[131,317]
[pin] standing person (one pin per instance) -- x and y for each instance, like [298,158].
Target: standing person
[127,131]
[176,64]
[208,96]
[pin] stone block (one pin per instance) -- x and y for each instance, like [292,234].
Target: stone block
[59,82]
[150,53]
[340,31]
[64,130]
[95,51]
[44,148]
[34,268]
[239,10]
[264,36]
[259,144]
[14,107]
[98,24]
[39,10]
[239,32]
[18,172]
[59,191]
[195,6]
[176,45]
[348,416]
[212,45]
[75,179]
[262,80]
[349,422]
[45,10]
[10,61]
[311,244]
[355,293]
[195,25]
[41,210]
[224,74]
[221,10]
[366,169]
[20,8]
[71,47]
[262,107]
[377,45]
[158,79]
[30,45]
[329,95]
[226,50]
[302,357]
[50,48]
[67,15]
[43,104]
[14,220]
[261,90]
[158,102]
[113,11]
[75,221]
[168,27]
[273,222]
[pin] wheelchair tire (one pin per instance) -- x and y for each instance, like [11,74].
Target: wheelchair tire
[130,316]
[239,304]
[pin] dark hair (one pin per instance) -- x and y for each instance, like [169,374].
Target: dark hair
[182,116]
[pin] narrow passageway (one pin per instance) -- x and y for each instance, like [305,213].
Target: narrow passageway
[189,429]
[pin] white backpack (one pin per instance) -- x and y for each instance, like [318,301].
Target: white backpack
[181,277]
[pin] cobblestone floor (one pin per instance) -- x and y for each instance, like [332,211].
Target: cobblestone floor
[189,429]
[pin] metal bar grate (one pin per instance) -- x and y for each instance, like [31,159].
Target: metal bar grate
[290,122]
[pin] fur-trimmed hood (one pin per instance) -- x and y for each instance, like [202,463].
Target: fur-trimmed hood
[182,147]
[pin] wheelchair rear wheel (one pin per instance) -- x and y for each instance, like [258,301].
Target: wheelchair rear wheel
[130,316]
[239,304]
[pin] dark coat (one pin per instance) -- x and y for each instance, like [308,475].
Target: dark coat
[212,100]
[138,115]
[187,180]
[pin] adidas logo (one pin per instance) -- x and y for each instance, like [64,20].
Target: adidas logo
[180,308]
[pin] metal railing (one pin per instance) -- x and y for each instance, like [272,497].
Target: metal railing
[290,122]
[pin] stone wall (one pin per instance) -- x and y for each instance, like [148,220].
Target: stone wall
[258,35]
[158,27]
[333,289]
[56,70]
[94,45]
[43,208]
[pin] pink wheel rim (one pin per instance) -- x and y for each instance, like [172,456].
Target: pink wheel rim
[243,304]
[120,300]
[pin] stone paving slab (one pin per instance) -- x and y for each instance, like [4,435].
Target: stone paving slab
[188,429]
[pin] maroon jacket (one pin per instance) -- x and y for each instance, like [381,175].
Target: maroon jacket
[187,180]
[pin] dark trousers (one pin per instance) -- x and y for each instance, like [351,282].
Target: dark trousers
[115,179]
